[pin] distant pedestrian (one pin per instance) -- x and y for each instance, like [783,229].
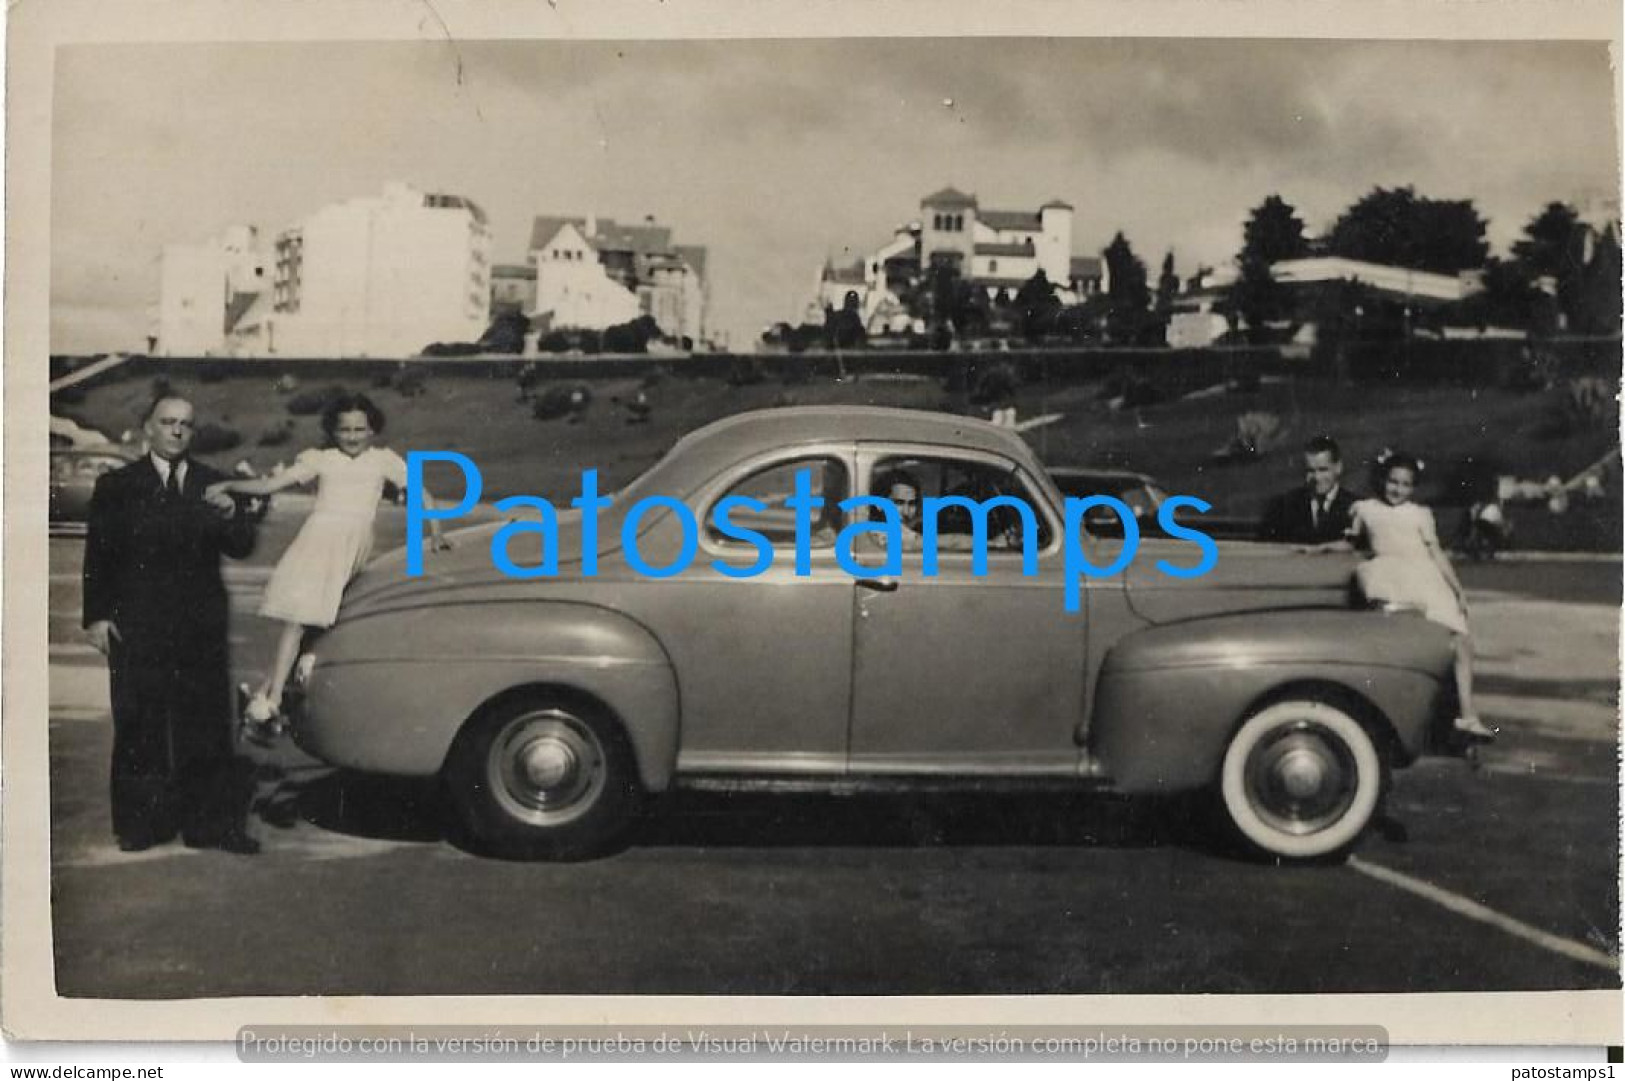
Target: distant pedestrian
[1317,512]
[334,542]
[155,604]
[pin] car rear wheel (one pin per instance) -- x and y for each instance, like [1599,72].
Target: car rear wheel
[542,777]
[1301,780]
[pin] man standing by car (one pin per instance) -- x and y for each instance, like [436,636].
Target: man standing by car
[155,604]
[1317,512]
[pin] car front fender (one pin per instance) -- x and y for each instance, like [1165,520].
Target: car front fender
[1169,698]
[389,693]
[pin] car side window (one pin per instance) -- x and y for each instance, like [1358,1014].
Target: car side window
[910,481]
[773,486]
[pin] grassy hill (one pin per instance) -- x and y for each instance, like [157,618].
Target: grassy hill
[1529,434]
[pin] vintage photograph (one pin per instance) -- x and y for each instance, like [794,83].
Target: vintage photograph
[1174,542]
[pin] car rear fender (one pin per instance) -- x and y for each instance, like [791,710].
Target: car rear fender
[1170,697]
[422,672]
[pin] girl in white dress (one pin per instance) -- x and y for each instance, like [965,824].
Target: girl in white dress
[1408,569]
[334,542]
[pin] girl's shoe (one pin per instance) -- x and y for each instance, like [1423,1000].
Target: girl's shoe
[260,710]
[1477,729]
[261,734]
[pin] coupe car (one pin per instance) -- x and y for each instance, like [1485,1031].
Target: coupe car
[551,708]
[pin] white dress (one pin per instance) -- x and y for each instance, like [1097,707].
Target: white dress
[1401,570]
[336,539]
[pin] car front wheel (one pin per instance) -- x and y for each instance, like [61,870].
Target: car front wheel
[1301,780]
[542,777]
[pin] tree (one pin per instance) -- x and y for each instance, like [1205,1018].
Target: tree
[1509,298]
[844,329]
[1397,228]
[946,301]
[506,334]
[1128,296]
[1597,308]
[1167,286]
[1554,246]
[1273,233]
[1038,305]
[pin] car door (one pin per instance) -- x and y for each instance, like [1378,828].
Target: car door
[960,673]
[763,663]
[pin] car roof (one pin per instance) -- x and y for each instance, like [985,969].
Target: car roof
[715,446]
[1091,473]
[115,450]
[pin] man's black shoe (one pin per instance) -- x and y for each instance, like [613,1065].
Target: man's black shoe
[135,844]
[238,844]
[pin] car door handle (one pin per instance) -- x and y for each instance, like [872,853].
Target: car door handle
[879,585]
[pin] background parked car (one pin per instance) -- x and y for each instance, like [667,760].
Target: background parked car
[1145,497]
[73,478]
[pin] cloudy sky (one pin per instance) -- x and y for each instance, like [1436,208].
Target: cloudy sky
[777,155]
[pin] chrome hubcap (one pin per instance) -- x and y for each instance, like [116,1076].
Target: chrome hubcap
[1302,778]
[546,768]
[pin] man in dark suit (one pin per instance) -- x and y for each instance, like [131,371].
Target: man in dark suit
[1318,512]
[155,604]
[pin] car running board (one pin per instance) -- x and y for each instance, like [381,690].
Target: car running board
[889,784]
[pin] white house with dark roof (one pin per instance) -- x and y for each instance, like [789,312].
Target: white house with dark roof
[594,272]
[995,250]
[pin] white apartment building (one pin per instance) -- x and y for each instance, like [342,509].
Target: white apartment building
[382,276]
[213,296]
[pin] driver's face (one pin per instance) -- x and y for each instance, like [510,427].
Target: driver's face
[907,499]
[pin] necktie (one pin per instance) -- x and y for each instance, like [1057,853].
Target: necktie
[172,483]
[1314,510]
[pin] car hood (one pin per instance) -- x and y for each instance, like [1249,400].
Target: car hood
[1247,577]
[465,567]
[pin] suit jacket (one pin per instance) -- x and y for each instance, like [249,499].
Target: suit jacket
[152,561]
[1290,518]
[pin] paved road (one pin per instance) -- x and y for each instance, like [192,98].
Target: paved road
[1501,877]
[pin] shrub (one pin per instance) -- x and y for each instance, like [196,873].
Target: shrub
[212,438]
[451,349]
[561,401]
[410,381]
[653,377]
[213,371]
[286,383]
[529,375]
[311,402]
[996,383]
